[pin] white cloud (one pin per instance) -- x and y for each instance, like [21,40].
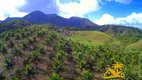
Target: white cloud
[134,19]
[124,1]
[18,14]
[78,9]
[106,19]
[10,8]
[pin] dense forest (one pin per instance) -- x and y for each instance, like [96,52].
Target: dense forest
[41,52]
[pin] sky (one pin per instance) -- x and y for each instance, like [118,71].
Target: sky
[122,12]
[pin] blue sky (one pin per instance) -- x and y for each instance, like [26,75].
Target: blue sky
[123,12]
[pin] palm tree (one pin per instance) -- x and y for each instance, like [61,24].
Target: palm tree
[28,71]
[55,76]
[57,66]
[11,44]
[2,76]
[35,57]
[82,64]
[6,38]
[41,49]
[16,52]
[18,37]
[48,40]
[15,78]
[59,56]
[8,64]
[3,49]
[87,75]
[24,44]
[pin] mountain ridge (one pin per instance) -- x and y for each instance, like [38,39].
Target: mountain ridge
[38,17]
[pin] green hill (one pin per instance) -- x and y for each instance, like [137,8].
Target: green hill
[92,36]
[126,35]
[136,46]
[119,29]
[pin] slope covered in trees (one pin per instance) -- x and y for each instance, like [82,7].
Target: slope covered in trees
[13,24]
[41,53]
[126,35]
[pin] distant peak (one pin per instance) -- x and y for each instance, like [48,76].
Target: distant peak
[74,17]
[37,12]
[8,18]
[52,14]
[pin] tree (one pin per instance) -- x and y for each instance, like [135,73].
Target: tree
[2,76]
[16,52]
[57,66]
[11,44]
[18,37]
[3,49]
[99,65]
[40,49]
[87,75]
[35,57]
[59,56]
[31,40]
[6,38]
[15,78]
[8,64]
[24,44]
[59,61]
[28,71]
[55,76]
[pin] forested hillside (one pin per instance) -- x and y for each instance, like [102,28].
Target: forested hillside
[39,52]
[126,35]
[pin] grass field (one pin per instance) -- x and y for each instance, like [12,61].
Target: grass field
[136,46]
[92,36]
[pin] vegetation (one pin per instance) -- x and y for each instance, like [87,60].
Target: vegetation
[136,46]
[126,35]
[39,52]
[92,36]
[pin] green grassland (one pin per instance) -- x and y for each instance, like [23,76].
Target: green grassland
[92,36]
[136,46]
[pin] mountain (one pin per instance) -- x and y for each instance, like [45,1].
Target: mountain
[82,23]
[11,18]
[38,17]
